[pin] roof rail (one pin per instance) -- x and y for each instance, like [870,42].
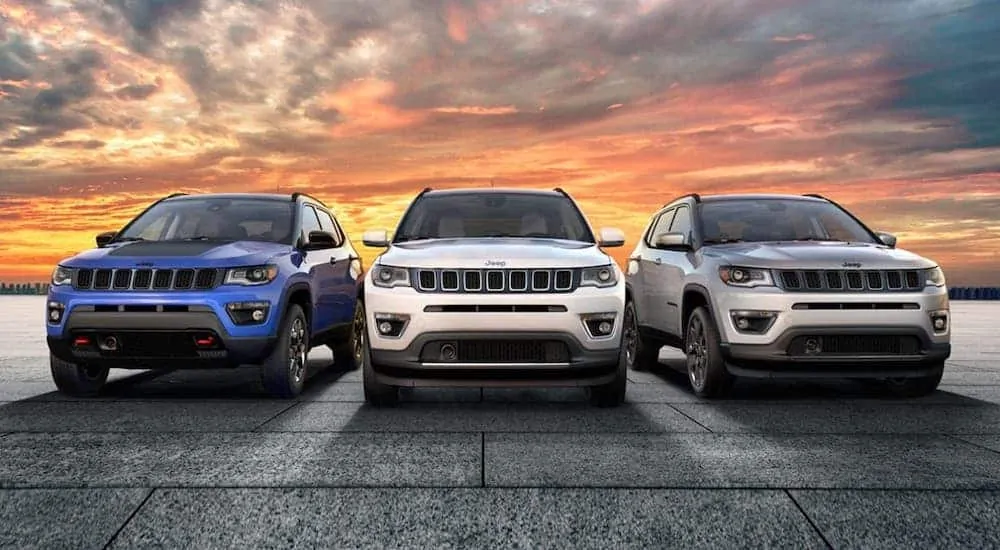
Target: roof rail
[562,192]
[172,195]
[422,193]
[695,196]
[298,194]
[816,196]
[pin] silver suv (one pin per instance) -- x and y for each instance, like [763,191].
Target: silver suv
[491,287]
[769,286]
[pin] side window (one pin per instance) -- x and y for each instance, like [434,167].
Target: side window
[682,221]
[309,221]
[660,226]
[329,224]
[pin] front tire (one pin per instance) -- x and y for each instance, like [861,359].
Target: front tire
[283,373]
[77,380]
[915,387]
[641,353]
[377,394]
[705,366]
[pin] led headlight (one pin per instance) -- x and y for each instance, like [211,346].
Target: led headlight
[62,276]
[251,276]
[600,276]
[934,277]
[387,276]
[745,276]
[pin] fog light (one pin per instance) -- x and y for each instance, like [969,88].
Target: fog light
[599,325]
[939,320]
[753,321]
[248,313]
[391,325]
[55,312]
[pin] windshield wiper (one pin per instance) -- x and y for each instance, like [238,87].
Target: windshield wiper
[128,240]
[407,238]
[722,241]
[815,239]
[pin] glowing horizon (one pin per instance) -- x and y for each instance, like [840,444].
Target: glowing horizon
[884,107]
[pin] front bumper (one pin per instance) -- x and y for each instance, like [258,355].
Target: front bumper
[158,331]
[869,335]
[498,343]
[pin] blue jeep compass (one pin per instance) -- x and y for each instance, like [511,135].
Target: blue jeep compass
[207,281]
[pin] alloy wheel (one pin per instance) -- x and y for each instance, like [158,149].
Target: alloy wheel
[697,353]
[297,349]
[631,339]
[358,348]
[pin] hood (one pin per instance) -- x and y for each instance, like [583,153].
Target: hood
[179,254]
[485,253]
[816,255]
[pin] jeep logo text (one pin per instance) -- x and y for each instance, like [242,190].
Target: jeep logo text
[851,264]
[495,263]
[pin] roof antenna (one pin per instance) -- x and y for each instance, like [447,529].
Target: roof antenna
[491,183]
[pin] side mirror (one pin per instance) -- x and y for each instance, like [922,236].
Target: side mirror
[611,237]
[320,240]
[105,238]
[672,241]
[375,238]
[887,239]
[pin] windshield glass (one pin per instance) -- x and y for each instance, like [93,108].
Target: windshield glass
[240,219]
[755,220]
[494,214]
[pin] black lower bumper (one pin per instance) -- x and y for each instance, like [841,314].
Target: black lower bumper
[194,339]
[776,360]
[580,367]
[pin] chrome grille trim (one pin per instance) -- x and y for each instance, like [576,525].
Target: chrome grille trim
[494,281]
[849,280]
[139,279]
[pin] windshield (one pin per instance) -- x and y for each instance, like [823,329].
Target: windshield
[756,220]
[226,219]
[472,215]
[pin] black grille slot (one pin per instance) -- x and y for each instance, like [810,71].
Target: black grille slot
[449,280]
[564,279]
[813,280]
[122,279]
[184,279]
[855,344]
[205,279]
[84,278]
[913,279]
[893,280]
[790,279]
[518,280]
[854,281]
[143,278]
[473,281]
[494,280]
[162,279]
[874,279]
[833,280]
[540,280]
[426,280]
[102,279]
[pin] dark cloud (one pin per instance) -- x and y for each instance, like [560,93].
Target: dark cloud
[79,144]
[146,18]
[17,57]
[136,91]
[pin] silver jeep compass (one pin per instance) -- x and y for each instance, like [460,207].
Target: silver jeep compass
[768,286]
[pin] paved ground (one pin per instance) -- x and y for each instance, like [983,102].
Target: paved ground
[202,460]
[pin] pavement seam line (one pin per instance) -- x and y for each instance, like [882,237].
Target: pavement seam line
[689,417]
[129,519]
[961,438]
[808,519]
[279,413]
[482,459]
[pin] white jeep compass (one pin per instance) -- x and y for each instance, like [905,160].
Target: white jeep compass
[491,287]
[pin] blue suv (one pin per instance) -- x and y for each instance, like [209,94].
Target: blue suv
[207,281]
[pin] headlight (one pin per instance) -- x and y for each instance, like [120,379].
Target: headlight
[387,276]
[745,276]
[62,276]
[600,276]
[251,276]
[934,277]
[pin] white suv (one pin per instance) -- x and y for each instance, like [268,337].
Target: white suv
[492,287]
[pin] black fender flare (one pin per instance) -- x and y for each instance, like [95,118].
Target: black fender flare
[286,294]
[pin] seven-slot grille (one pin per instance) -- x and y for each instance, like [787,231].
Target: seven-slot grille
[147,279]
[836,280]
[495,280]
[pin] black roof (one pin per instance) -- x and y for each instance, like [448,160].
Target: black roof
[281,197]
[756,196]
[489,190]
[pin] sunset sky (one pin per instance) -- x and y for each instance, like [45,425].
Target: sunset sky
[890,107]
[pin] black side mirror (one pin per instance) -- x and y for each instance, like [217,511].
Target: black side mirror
[105,238]
[887,239]
[320,240]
